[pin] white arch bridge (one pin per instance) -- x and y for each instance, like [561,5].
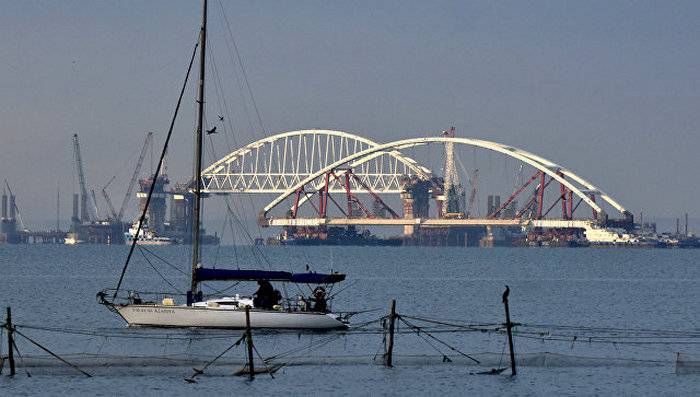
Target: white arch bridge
[306,164]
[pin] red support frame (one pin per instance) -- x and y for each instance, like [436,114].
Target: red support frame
[323,197]
[375,195]
[514,195]
[297,197]
[532,200]
[347,193]
[540,196]
[562,197]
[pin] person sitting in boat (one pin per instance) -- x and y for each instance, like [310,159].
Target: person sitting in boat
[319,300]
[266,297]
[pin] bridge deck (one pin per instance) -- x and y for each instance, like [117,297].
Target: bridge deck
[544,223]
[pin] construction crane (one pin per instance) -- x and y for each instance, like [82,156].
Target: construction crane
[472,194]
[132,183]
[14,205]
[112,212]
[94,203]
[147,142]
[81,179]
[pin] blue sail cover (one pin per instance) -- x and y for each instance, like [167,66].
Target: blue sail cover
[204,274]
[317,278]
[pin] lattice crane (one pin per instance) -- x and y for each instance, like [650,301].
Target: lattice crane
[134,178]
[472,193]
[81,178]
[112,211]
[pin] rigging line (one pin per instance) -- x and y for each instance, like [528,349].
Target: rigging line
[616,335]
[37,344]
[218,246]
[602,329]
[308,348]
[250,92]
[318,343]
[142,248]
[159,273]
[613,342]
[155,175]
[21,357]
[253,248]
[427,320]
[439,341]
[221,98]
[241,90]
[223,110]
[243,72]
[238,342]
[263,360]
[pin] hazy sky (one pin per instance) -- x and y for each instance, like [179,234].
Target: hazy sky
[609,89]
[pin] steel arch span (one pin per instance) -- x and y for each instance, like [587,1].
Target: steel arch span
[584,190]
[279,162]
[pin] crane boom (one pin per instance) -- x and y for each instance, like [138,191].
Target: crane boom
[132,183]
[13,203]
[81,174]
[112,212]
[472,193]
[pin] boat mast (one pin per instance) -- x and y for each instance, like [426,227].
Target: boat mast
[198,152]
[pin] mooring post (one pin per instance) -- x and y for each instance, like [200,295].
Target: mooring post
[249,340]
[10,341]
[390,343]
[509,327]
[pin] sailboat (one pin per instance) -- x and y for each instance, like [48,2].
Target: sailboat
[267,309]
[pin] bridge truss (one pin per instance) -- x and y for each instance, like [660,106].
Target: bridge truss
[305,164]
[572,193]
[280,162]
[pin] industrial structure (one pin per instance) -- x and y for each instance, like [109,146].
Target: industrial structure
[177,227]
[324,170]
[8,222]
[330,186]
[87,226]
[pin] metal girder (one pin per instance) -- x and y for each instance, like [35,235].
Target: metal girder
[565,177]
[276,163]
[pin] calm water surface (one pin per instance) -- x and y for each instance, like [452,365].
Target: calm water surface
[55,286]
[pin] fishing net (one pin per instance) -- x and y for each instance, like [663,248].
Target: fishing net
[113,365]
[419,342]
[687,364]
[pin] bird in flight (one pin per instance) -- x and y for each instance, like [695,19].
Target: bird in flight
[212,131]
[221,118]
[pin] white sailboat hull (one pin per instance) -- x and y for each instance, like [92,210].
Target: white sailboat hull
[204,317]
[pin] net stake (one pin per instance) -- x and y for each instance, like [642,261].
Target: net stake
[249,340]
[10,341]
[509,327]
[390,343]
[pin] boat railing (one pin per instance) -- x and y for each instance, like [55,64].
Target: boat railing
[134,297]
[293,304]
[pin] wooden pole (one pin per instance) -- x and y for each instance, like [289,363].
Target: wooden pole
[249,339]
[509,327]
[390,343]
[10,341]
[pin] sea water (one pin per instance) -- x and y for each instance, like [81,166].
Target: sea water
[54,287]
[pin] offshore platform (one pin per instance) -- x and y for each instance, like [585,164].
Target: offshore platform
[87,226]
